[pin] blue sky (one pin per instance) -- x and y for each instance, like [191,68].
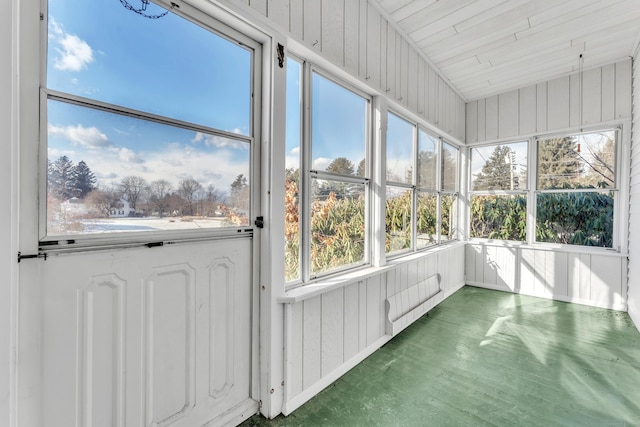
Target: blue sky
[167,66]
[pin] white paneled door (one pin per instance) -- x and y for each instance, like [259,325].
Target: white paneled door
[147,336]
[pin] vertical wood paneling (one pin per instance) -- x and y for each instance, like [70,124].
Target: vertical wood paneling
[311,350]
[608,92]
[432,96]
[482,120]
[541,107]
[491,112]
[259,5]
[351,316]
[373,47]
[574,100]
[375,309]
[333,30]
[352,29]
[489,263]
[403,95]
[312,24]
[558,103]
[362,315]
[592,94]
[528,110]
[421,90]
[332,330]
[412,80]
[362,37]
[389,82]
[557,266]
[623,89]
[472,121]
[295,344]
[296,20]
[278,12]
[508,104]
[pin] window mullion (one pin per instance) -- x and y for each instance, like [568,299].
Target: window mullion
[305,178]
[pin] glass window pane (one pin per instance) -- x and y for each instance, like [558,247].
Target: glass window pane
[501,217]
[338,128]
[577,161]
[499,167]
[427,217]
[292,178]
[337,225]
[427,161]
[576,218]
[168,66]
[448,216]
[399,150]
[113,173]
[399,206]
[449,167]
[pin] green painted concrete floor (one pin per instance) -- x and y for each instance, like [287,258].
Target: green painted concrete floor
[489,358]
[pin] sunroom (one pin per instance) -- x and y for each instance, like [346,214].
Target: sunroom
[220,208]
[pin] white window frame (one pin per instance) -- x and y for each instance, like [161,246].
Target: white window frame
[134,238]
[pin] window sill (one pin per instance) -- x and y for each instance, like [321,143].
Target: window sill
[549,247]
[325,285]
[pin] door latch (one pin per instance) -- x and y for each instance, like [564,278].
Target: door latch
[259,222]
[38,255]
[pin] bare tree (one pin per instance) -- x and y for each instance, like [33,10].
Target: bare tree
[132,188]
[158,195]
[188,189]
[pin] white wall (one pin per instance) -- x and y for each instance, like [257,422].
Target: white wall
[596,279]
[634,200]
[575,274]
[328,334]
[355,37]
[8,169]
[553,105]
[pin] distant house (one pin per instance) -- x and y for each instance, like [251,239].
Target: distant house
[122,209]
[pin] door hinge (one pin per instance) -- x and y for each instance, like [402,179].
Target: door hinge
[259,222]
[38,255]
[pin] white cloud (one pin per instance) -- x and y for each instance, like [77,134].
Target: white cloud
[218,141]
[321,163]
[74,54]
[128,156]
[295,150]
[79,135]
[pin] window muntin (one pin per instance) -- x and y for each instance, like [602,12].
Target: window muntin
[157,155]
[576,176]
[327,143]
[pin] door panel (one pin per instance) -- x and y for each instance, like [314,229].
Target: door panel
[147,336]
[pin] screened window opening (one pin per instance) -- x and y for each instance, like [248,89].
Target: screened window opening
[421,206]
[499,192]
[136,141]
[576,183]
[327,176]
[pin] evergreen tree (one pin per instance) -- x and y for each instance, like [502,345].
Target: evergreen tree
[341,165]
[62,179]
[498,172]
[559,163]
[240,192]
[85,180]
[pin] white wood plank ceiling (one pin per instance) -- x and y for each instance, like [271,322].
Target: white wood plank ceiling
[485,47]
